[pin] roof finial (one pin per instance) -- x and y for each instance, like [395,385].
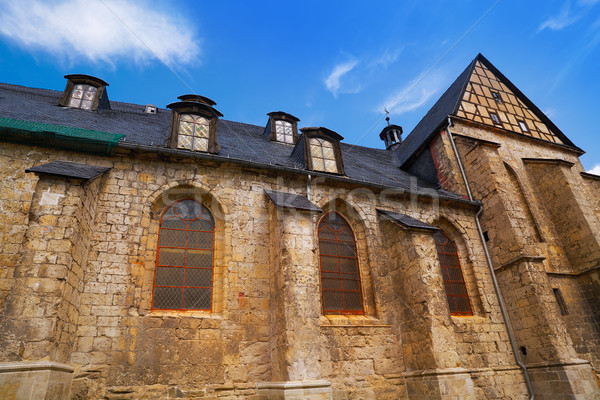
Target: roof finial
[387,116]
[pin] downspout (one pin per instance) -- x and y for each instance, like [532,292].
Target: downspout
[308,181]
[511,336]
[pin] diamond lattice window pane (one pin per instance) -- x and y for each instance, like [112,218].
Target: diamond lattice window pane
[349,265]
[199,258]
[89,93]
[329,263]
[173,223]
[326,233]
[201,225]
[331,283]
[318,164]
[347,249]
[172,237]
[350,284]
[184,142]
[198,277]
[86,104]
[77,92]
[200,240]
[200,144]
[202,130]
[174,257]
[186,128]
[166,298]
[345,235]
[169,276]
[196,299]
[280,137]
[332,300]
[328,248]
[353,301]
[330,166]
[328,153]
[186,118]
[74,102]
[326,144]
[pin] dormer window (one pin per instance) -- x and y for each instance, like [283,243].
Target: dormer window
[194,124]
[193,132]
[323,157]
[319,150]
[282,127]
[283,130]
[85,92]
[82,97]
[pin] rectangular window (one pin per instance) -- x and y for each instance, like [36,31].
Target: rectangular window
[562,305]
[523,126]
[495,118]
[497,97]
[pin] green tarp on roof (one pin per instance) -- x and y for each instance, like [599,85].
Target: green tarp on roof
[59,136]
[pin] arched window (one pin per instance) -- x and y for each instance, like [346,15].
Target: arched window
[323,155]
[340,278]
[193,132]
[184,266]
[454,283]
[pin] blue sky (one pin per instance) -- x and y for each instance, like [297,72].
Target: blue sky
[330,63]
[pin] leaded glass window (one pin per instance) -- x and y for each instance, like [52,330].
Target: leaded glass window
[184,267]
[454,283]
[284,132]
[340,277]
[82,96]
[322,155]
[193,132]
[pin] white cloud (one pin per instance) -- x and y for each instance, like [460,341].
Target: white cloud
[568,15]
[550,112]
[99,30]
[595,170]
[333,81]
[415,94]
[386,58]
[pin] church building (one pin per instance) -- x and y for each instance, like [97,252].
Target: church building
[155,253]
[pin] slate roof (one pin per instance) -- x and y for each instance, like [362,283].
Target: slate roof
[448,105]
[290,200]
[407,222]
[237,141]
[69,169]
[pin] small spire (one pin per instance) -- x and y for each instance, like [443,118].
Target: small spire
[387,116]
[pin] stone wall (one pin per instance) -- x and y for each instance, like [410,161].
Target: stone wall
[266,327]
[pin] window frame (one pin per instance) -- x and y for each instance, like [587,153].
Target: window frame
[496,120]
[78,79]
[271,128]
[325,134]
[452,304]
[182,108]
[359,279]
[523,125]
[185,267]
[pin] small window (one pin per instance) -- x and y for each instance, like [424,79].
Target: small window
[495,118]
[184,266]
[454,282]
[193,132]
[323,156]
[523,126]
[82,96]
[284,131]
[497,97]
[340,278]
[560,300]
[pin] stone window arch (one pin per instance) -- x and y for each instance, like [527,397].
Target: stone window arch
[341,289]
[454,281]
[183,278]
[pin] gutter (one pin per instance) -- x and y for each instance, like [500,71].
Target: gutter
[311,174]
[511,336]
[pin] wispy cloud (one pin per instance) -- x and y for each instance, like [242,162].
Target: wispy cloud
[386,58]
[415,94]
[595,170]
[333,81]
[568,15]
[99,30]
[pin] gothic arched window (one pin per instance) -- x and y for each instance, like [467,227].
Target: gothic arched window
[184,266]
[454,283]
[340,277]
